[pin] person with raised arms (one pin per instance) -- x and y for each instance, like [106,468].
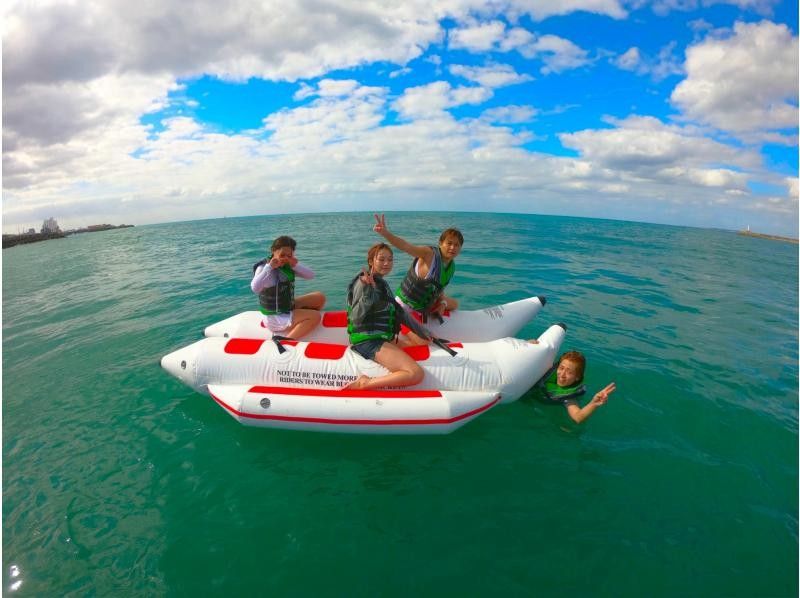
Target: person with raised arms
[432,269]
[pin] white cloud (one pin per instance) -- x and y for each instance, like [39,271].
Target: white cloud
[542,9]
[478,37]
[762,7]
[664,65]
[492,76]
[510,114]
[100,39]
[557,53]
[343,110]
[400,72]
[71,130]
[629,60]
[431,100]
[650,151]
[746,84]
[332,150]
[514,38]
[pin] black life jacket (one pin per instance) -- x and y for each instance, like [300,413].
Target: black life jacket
[381,320]
[421,294]
[277,299]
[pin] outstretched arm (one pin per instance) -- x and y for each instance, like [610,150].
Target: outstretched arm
[420,251]
[581,414]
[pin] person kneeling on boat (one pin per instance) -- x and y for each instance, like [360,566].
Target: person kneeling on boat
[273,282]
[563,385]
[373,323]
[422,289]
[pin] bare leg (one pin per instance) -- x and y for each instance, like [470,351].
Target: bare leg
[315,300]
[303,322]
[404,371]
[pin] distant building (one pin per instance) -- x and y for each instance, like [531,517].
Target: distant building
[50,226]
[31,231]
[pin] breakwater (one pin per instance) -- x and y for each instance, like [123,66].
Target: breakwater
[12,240]
[748,233]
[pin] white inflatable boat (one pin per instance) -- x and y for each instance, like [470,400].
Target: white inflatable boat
[297,385]
[464,326]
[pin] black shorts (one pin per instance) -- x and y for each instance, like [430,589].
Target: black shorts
[368,349]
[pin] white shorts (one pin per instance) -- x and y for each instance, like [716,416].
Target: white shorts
[278,322]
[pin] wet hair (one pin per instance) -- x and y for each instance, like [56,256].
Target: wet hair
[373,251]
[578,359]
[283,241]
[452,232]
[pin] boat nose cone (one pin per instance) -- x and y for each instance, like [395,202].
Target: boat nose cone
[217,329]
[554,335]
[181,364]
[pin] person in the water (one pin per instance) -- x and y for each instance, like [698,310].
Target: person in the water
[563,384]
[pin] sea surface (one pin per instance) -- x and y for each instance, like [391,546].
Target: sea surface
[120,481]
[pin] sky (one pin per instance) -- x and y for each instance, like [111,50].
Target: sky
[668,111]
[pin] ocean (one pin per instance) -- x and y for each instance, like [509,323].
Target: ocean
[118,480]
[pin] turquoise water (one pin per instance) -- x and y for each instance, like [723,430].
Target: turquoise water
[118,480]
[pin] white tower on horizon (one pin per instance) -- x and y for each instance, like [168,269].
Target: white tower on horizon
[50,226]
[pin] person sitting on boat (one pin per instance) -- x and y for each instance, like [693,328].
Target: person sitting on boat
[422,289]
[563,385]
[273,282]
[373,322]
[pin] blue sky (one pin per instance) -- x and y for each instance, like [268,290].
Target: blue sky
[671,111]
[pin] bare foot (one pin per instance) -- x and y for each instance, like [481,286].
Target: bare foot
[533,341]
[358,383]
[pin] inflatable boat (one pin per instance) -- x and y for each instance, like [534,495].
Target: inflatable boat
[465,326]
[298,385]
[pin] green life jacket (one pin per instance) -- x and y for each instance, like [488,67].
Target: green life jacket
[381,320]
[548,390]
[422,293]
[277,299]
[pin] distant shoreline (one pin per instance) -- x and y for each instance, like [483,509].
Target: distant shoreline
[12,240]
[747,233]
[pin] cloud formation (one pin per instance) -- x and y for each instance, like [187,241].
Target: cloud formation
[75,140]
[663,65]
[745,84]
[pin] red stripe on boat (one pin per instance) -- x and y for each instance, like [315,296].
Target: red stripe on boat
[325,351]
[243,346]
[418,352]
[339,393]
[360,422]
[334,319]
